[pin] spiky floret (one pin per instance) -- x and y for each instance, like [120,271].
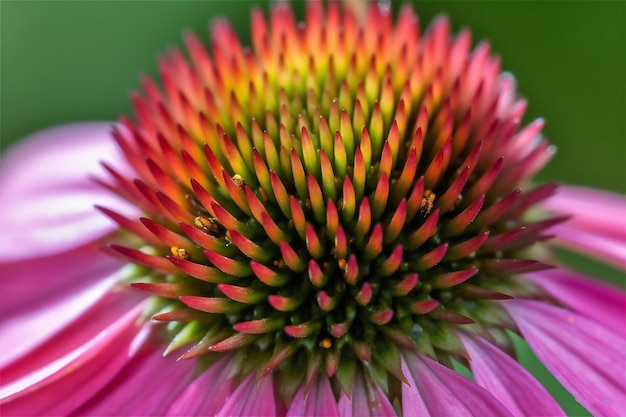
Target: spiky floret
[342,190]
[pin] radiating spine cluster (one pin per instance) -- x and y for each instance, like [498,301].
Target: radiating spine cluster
[344,189]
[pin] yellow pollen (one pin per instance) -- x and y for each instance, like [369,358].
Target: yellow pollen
[342,263]
[179,252]
[208,225]
[202,222]
[326,343]
[427,203]
[279,263]
[239,181]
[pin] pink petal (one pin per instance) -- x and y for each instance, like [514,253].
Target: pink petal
[146,386]
[585,357]
[591,242]
[365,401]
[508,381]
[251,398]
[43,321]
[56,328]
[46,195]
[65,384]
[34,283]
[320,401]
[597,211]
[597,300]
[206,395]
[436,391]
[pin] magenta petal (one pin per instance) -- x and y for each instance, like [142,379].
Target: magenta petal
[436,391]
[44,321]
[597,211]
[587,358]
[592,243]
[46,194]
[65,384]
[33,283]
[597,300]
[251,398]
[597,226]
[146,386]
[508,381]
[365,401]
[206,395]
[320,401]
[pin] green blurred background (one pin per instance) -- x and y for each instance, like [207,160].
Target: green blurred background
[66,61]
[69,61]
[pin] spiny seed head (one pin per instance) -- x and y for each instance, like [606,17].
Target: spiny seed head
[345,188]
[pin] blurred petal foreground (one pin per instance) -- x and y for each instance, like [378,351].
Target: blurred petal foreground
[328,223]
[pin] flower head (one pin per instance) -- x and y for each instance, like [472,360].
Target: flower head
[325,223]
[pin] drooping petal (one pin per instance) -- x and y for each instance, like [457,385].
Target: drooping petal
[598,211]
[251,398]
[35,283]
[508,381]
[597,226]
[320,401]
[46,194]
[196,401]
[55,329]
[590,297]
[436,391]
[587,358]
[62,386]
[592,243]
[146,386]
[365,400]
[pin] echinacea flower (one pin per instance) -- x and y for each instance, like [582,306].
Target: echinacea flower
[323,224]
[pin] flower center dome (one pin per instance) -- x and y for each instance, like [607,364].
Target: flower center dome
[346,188]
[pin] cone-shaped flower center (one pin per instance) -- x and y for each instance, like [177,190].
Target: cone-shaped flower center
[342,190]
